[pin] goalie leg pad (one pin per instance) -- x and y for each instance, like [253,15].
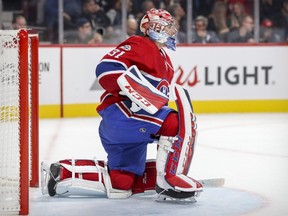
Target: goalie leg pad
[68,180]
[175,153]
[80,187]
[179,182]
[177,186]
[186,138]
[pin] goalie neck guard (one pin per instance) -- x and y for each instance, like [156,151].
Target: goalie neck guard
[159,25]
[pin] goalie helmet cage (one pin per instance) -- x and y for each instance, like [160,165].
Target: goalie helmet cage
[19,152]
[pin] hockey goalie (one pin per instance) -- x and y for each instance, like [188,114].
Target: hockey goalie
[136,77]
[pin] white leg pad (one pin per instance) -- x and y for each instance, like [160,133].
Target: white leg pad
[181,182]
[165,144]
[80,187]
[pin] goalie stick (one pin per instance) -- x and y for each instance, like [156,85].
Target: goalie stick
[213,182]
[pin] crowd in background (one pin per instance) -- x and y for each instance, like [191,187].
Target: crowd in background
[100,21]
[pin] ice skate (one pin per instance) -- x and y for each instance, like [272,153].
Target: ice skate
[176,195]
[54,173]
[50,175]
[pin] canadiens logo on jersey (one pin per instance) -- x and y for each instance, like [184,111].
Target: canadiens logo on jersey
[163,86]
[126,47]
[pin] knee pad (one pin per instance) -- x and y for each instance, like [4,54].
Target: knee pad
[122,179]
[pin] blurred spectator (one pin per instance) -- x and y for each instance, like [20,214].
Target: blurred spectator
[267,33]
[269,8]
[102,3]
[115,12]
[18,22]
[72,11]
[244,33]
[96,39]
[132,26]
[165,4]
[281,20]
[181,36]
[45,12]
[179,15]
[217,21]
[202,7]
[93,12]
[145,6]
[237,15]
[247,4]
[117,36]
[40,12]
[11,5]
[84,34]
[201,34]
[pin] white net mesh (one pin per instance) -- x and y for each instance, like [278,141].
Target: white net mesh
[9,121]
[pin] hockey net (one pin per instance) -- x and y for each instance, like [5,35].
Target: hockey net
[18,119]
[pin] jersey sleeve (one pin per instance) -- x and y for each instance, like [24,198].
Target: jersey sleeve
[107,74]
[117,61]
[133,51]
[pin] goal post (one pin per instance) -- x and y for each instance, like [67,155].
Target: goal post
[19,127]
[34,106]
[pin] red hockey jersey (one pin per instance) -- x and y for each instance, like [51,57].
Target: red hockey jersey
[154,64]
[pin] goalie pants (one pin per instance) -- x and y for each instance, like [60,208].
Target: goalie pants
[125,135]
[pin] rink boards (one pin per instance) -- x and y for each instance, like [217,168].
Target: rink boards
[219,79]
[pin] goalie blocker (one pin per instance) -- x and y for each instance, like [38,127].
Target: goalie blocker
[142,93]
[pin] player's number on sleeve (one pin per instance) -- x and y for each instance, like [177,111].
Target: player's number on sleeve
[116,53]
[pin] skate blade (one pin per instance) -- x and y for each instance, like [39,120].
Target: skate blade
[165,198]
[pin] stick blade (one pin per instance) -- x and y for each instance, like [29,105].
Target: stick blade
[214,182]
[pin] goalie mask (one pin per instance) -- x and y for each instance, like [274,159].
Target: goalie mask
[160,26]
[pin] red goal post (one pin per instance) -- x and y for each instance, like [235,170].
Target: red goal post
[19,128]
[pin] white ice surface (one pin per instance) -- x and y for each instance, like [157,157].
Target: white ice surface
[249,150]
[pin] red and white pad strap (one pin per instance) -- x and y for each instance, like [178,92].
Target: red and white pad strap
[135,86]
